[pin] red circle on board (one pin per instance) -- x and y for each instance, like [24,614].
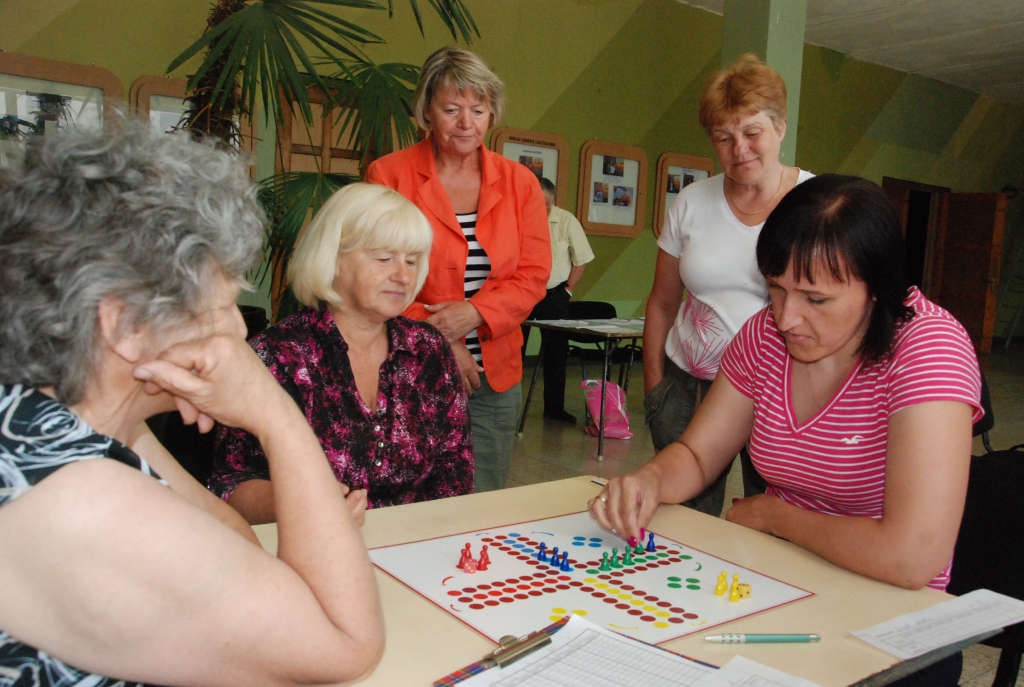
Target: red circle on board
[537,583]
[465,600]
[469,590]
[581,566]
[512,580]
[673,552]
[675,560]
[522,538]
[690,616]
[476,607]
[586,589]
[479,596]
[522,596]
[609,600]
[524,557]
[641,568]
[535,592]
[491,602]
[624,607]
[627,587]
[526,577]
[630,571]
[549,590]
[522,586]
[677,621]
[664,604]
[483,586]
[647,618]
[456,592]
[634,612]
[563,587]
[487,539]
[604,577]
[499,583]
[506,599]
[617,573]
[495,592]
[575,583]
[533,562]
[564,577]
[676,609]
[504,548]
[650,598]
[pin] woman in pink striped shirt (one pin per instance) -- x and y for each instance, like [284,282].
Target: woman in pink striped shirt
[857,396]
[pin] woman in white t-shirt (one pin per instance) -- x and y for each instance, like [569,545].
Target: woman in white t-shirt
[707,252]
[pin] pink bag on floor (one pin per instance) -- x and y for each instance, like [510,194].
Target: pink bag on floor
[616,415]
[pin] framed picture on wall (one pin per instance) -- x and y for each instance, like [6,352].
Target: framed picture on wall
[613,189]
[39,97]
[675,172]
[543,153]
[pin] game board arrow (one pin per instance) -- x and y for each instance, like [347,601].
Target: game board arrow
[445,580]
[452,606]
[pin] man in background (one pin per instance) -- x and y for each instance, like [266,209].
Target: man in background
[570,253]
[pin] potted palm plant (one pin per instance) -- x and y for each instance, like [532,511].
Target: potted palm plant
[281,50]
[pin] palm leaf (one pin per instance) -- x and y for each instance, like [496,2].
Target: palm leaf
[264,42]
[453,13]
[376,100]
[288,199]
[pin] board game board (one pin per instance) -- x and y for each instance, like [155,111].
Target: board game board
[660,596]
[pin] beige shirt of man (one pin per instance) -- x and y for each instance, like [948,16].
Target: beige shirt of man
[569,246]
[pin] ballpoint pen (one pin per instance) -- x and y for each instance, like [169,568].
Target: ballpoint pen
[760,639]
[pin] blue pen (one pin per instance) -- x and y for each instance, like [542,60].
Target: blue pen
[761,639]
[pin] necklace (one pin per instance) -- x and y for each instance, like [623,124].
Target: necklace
[758,212]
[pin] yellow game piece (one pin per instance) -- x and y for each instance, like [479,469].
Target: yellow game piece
[744,590]
[723,585]
[734,589]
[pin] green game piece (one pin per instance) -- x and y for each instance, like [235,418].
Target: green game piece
[615,559]
[627,558]
[605,566]
[639,550]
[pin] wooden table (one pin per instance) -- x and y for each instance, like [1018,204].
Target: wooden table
[612,331]
[425,643]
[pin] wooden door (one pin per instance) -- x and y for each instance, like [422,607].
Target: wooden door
[966,277]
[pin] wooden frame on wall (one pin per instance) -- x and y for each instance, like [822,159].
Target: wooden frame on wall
[612,209]
[540,147]
[689,168]
[68,73]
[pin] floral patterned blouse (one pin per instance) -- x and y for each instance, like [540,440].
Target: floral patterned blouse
[417,445]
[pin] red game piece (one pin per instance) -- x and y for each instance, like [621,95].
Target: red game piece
[483,556]
[462,560]
[482,563]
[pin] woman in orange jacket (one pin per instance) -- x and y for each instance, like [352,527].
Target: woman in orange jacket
[491,255]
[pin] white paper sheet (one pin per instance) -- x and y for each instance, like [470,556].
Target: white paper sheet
[742,672]
[918,633]
[582,654]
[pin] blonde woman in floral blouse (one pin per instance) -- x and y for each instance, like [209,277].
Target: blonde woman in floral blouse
[382,392]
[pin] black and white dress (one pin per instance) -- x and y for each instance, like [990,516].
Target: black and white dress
[38,436]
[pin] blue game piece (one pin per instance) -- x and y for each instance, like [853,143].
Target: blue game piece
[565,562]
[554,557]
[542,556]
[651,548]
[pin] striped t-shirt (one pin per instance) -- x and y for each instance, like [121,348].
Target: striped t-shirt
[834,462]
[478,268]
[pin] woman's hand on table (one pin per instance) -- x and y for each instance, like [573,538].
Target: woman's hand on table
[454,319]
[468,367]
[628,503]
[356,500]
[754,512]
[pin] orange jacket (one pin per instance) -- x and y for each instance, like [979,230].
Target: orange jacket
[511,225]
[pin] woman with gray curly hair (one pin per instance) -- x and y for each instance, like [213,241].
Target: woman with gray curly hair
[123,255]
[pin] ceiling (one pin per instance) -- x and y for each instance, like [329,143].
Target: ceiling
[974,44]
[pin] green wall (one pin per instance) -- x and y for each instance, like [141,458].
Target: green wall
[627,71]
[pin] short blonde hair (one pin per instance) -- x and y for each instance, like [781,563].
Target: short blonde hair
[357,217]
[455,66]
[747,87]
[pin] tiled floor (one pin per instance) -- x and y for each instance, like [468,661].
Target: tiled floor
[553,450]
